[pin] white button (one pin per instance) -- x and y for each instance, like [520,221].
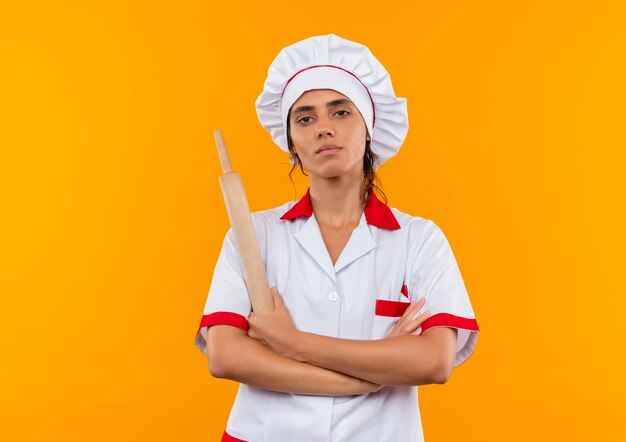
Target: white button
[333,296]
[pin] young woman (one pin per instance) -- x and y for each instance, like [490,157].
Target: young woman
[369,301]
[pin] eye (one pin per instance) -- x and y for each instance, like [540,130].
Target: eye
[343,113]
[302,120]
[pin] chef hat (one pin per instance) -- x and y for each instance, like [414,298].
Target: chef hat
[332,62]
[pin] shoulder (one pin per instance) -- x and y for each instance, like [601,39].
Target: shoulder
[420,234]
[268,220]
[415,226]
[425,240]
[272,216]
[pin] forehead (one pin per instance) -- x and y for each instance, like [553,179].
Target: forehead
[317,97]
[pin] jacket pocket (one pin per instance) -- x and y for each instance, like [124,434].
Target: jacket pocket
[386,315]
[395,309]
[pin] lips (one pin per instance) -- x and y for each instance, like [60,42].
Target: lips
[327,147]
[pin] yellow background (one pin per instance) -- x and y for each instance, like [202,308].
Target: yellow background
[112,216]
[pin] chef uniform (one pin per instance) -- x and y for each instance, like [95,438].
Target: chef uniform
[390,259]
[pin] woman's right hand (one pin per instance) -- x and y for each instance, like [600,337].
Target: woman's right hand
[407,325]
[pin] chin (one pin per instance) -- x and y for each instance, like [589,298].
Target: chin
[329,172]
[335,170]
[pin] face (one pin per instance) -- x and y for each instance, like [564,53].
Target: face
[328,134]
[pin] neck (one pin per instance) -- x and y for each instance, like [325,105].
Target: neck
[337,201]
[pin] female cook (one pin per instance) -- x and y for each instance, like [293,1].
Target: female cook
[369,301]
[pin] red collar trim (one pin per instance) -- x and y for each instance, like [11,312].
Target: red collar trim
[376,212]
[301,208]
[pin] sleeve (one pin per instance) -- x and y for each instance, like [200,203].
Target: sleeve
[435,275]
[227,301]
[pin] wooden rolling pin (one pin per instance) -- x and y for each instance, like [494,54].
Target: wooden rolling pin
[243,230]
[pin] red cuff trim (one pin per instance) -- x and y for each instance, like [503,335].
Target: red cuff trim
[390,308]
[224,318]
[448,320]
[228,438]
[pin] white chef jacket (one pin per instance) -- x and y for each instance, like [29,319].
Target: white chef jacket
[390,259]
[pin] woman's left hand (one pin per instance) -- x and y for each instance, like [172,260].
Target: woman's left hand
[410,323]
[274,330]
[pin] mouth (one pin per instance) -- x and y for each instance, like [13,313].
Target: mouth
[328,148]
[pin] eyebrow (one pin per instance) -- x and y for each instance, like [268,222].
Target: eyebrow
[329,104]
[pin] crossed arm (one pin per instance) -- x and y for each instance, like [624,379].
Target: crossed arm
[234,355]
[274,355]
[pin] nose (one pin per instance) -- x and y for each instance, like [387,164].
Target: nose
[324,129]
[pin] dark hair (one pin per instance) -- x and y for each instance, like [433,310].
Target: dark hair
[371,182]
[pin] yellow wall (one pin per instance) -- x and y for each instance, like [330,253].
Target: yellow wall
[112,216]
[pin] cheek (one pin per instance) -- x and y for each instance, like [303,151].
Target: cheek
[296,138]
[358,141]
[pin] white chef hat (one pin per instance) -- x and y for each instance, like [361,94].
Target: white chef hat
[332,62]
